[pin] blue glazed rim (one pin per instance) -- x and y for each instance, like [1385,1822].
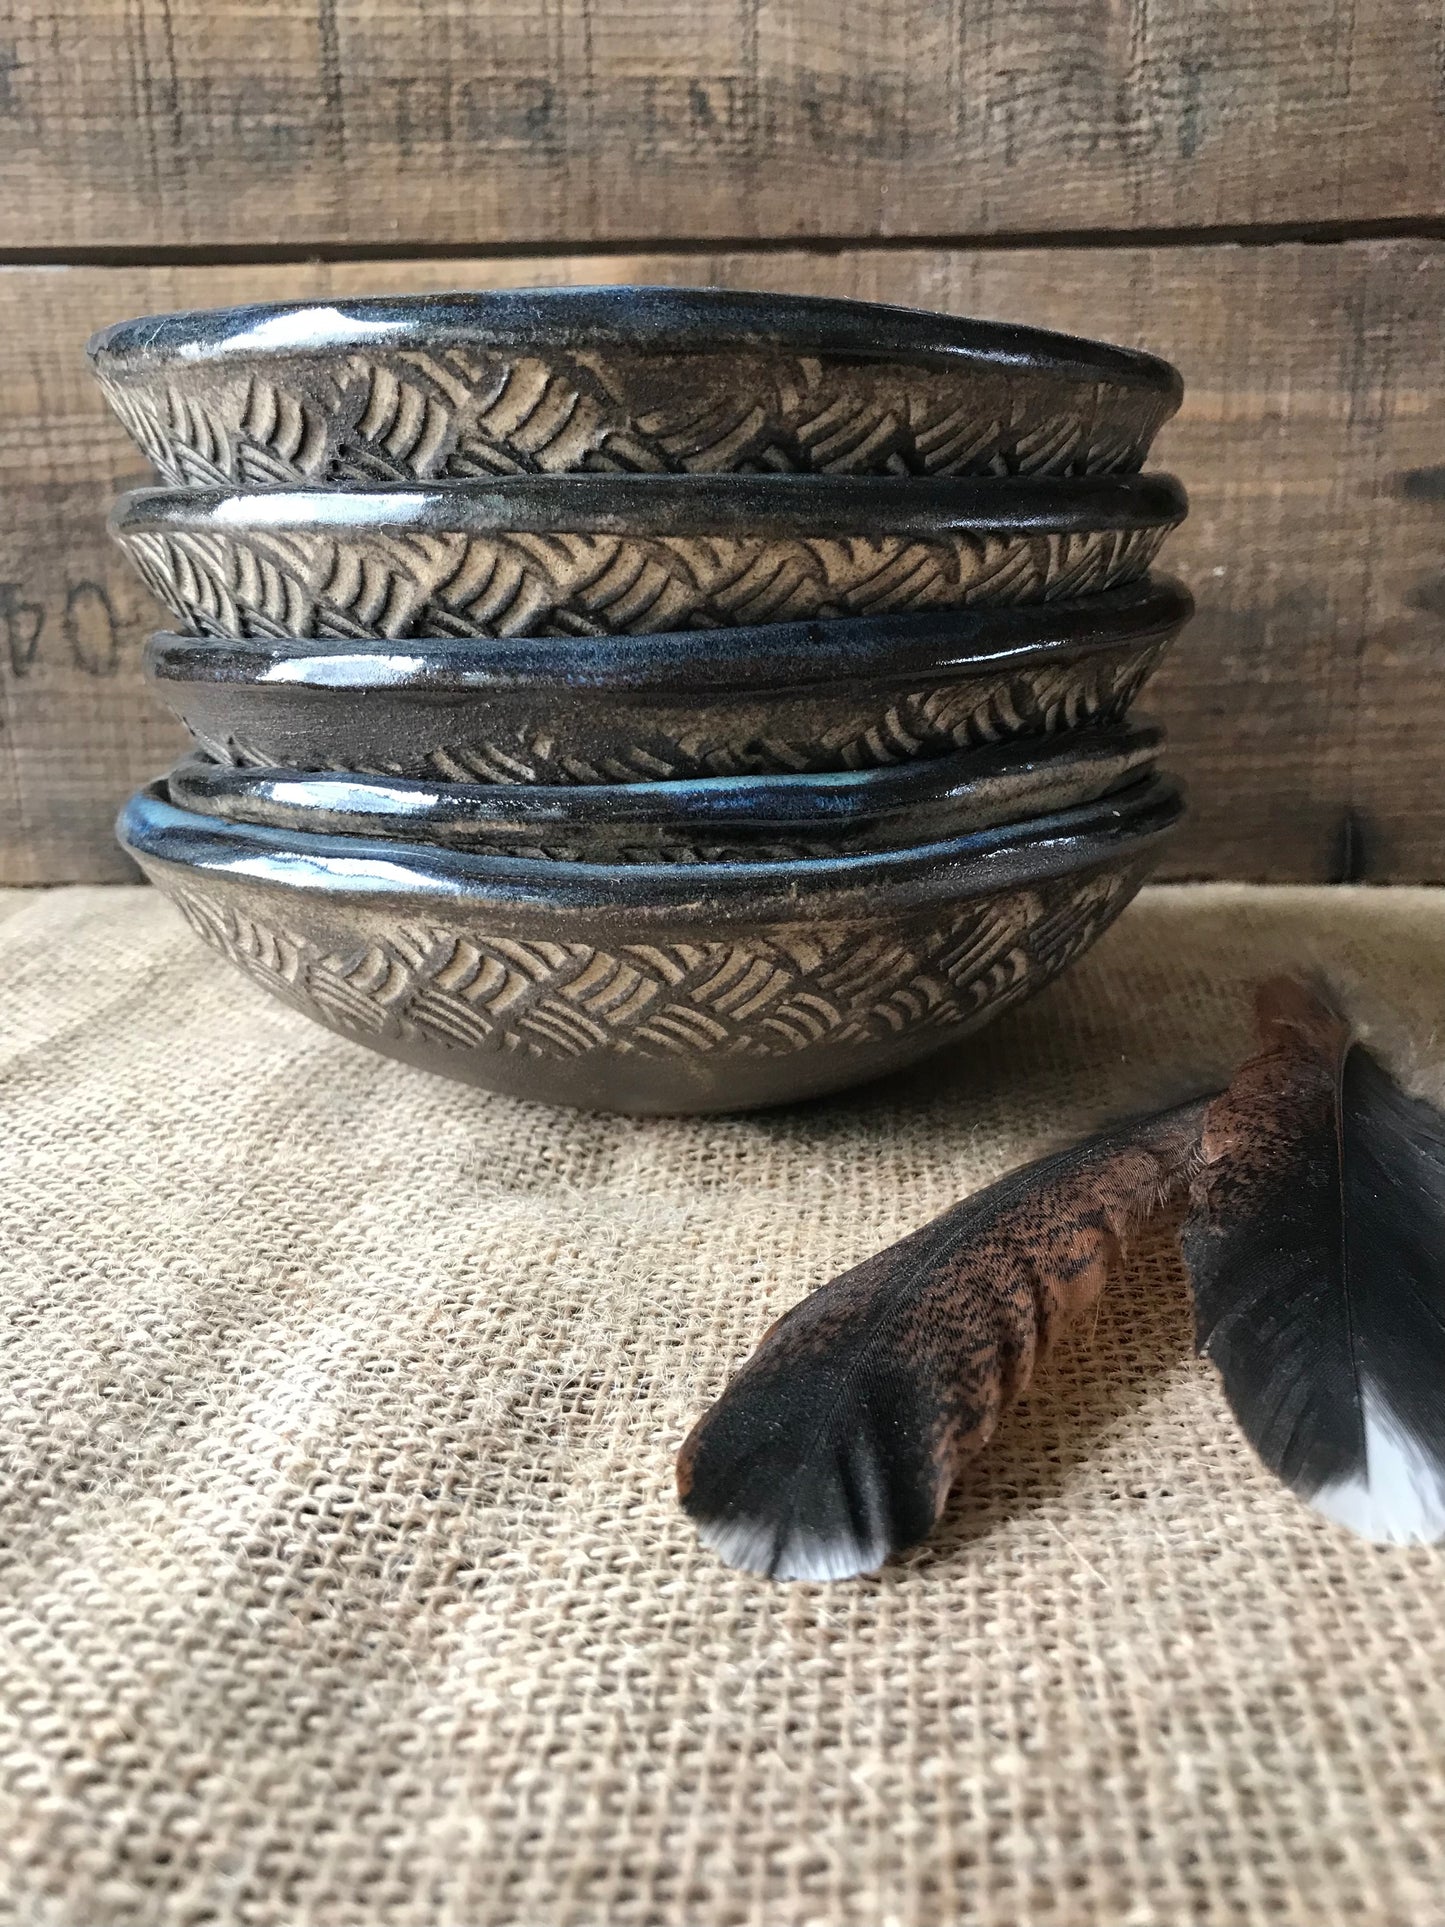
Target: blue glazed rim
[783,656]
[360,869]
[811,801]
[642,507]
[650,320]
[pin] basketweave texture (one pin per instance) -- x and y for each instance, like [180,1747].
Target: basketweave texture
[363,583]
[512,738]
[416,414]
[453,985]
[342,1579]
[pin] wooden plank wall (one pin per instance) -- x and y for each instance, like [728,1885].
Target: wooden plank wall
[1253,188]
[366,122]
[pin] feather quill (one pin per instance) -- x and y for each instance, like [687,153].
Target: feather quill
[1315,1245]
[837,1443]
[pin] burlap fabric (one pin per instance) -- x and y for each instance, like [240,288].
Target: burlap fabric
[343,1582]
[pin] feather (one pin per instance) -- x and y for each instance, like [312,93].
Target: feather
[1315,1247]
[838,1441]
[1315,1244]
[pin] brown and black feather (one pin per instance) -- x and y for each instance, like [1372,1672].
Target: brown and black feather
[838,1441]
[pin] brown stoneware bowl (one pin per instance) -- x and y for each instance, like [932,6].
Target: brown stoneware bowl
[560,380]
[631,554]
[718,819]
[654,987]
[782,698]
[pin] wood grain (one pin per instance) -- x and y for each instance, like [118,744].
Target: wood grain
[415,123]
[1306,702]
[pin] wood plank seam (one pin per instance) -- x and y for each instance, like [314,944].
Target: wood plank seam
[1289,234]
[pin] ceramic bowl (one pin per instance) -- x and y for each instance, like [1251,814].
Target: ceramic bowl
[630,554]
[559,380]
[704,820]
[768,701]
[654,988]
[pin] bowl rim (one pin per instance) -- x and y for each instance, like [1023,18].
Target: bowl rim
[806,801]
[769,507]
[649,319]
[768,658]
[644,896]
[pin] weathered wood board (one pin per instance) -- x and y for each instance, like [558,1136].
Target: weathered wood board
[1306,702]
[419,123]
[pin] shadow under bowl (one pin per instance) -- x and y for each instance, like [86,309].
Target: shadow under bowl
[401,388]
[631,554]
[654,988]
[703,820]
[779,699]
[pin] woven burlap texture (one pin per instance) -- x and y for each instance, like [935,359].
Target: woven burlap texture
[342,1577]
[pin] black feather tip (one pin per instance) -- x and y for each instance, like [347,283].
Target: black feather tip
[1316,1250]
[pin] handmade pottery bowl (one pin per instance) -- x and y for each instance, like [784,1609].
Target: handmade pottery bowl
[704,820]
[771,700]
[631,554]
[557,380]
[654,988]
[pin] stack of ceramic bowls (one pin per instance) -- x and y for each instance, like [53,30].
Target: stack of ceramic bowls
[648,699]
